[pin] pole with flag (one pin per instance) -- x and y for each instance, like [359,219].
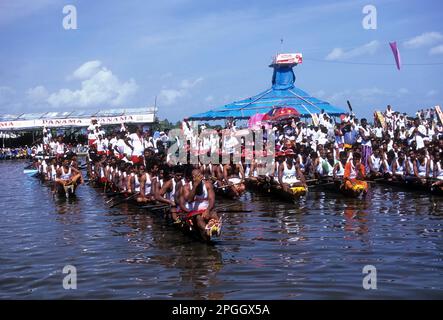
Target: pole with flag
[396,53]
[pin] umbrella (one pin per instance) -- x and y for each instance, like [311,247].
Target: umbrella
[281,113]
[256,121]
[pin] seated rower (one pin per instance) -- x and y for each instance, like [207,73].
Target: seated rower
[353,179]
[67,178]
[438,171]
[410,163]
[339,168]
[374,164]
[146,179]
[200,198]
[387,164]
[166,190]
[399,167]
[290,175]
[328,165]
[421,167]
[133,180]
[233,177]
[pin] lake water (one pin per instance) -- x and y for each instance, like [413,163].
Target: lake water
[313,249]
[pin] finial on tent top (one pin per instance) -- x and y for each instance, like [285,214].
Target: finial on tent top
[286,60]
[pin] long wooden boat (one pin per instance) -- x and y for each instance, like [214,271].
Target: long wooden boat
[226,191]
[412,185]
[187,226]
[292,195]
[61,191]
[67,191]
[336,186]
[295,193]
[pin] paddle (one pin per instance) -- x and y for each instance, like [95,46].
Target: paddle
[349,105]
[329,182]
[322,184]
[375,180]
[114,195]
[156,206]
[124,200]
[227,185]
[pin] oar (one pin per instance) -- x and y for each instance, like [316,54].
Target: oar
[324,184]
[114,195]
[160,208]
[349,105]
[375,180]
[228,185]
[124,200]
[156,206]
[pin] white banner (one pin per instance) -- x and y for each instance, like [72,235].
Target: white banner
[75,122]
[288,58]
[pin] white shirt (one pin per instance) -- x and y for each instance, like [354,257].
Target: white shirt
[418,138]
[122,147]
[138,144]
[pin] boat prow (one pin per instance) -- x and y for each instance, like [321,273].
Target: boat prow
[30,172]
[358,190]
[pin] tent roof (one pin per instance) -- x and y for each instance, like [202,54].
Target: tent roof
[76,114]
[283,93]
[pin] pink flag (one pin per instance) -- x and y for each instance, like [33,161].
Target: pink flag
[396,54]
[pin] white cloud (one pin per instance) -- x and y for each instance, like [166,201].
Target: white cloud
[425,39]
[87,70]
[341,54]
[100,87]
[436,50]
[170,96]
[166,75]
[367,97]
[189,83]
[209,98]
[402,91]
[37,94]
[364,94]
[431,93]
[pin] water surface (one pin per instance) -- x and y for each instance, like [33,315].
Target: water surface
[313,249]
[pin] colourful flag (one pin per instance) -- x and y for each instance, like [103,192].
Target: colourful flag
[396,54]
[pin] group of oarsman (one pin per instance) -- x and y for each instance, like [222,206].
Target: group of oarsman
[151,181]
[61,172]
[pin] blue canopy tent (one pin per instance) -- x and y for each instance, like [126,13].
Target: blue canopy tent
[283,93]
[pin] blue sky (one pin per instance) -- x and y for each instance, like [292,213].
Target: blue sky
[196,55]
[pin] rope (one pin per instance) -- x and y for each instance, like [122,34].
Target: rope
[376,64]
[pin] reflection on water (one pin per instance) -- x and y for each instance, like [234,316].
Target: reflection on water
[315,248]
